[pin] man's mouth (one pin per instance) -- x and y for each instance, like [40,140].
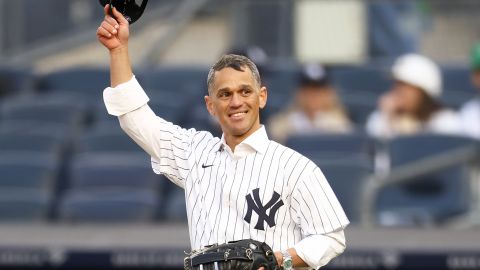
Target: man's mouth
[237,115]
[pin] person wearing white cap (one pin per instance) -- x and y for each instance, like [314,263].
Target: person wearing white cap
[412,105]
[316,108]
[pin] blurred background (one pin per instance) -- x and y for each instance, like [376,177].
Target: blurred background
[383,95]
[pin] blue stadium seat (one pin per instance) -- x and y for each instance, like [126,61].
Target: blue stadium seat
[282,80]
[94,171]
[359,106]
[333,148]
[347,181]
[457,86]
[44,109]
[368,78]
[80,80]
[108,206]
[174,204]
[432,198]
[29,170]
[24,205]
[186,79]
[200,119]
[107,137]
[15,81]
[14,142]
[57,132]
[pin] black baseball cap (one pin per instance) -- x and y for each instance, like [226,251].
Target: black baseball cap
[313,74]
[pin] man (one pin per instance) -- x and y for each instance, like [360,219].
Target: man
[412,105]
[470,111]
[242,185]
[317,108]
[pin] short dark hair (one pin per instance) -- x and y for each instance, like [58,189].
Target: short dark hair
[237,62]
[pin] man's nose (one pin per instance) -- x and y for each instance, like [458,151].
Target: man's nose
[236,100]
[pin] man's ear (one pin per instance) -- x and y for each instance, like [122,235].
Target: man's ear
[209,104]
[263,97]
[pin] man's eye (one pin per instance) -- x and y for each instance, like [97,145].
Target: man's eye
[246,92]
[223,94]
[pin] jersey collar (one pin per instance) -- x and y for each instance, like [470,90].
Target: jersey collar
[256,142]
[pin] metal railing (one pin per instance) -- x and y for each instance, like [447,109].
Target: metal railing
[407,173]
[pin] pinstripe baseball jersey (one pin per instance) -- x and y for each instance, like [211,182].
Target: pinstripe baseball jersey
[263,190]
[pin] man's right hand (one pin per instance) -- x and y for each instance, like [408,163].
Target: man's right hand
[113,32]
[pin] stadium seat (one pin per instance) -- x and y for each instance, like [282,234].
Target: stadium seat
[457,86]
[44,109]
[169,106]
[24,205]
[15,81]
[368,78]
[333,148]
[94,171]
[347,181]
[107,137]
[13,142]
[57,132]
[28,170]
[282,80]
[359,106]
[200,119]
[177,79]
[429,199]
[174,204]
[108,206]
[90,81]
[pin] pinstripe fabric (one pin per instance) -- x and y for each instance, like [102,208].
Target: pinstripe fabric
[218,182]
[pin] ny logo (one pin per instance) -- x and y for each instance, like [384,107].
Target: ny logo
[255,204]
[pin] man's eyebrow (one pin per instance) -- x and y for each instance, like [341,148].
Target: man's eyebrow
[246,86]
[223,89]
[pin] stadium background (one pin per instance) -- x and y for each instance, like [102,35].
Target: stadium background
[76,193]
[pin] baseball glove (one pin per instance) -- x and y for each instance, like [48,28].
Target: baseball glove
[242,254]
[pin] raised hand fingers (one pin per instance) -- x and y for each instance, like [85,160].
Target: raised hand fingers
[112,21]
[103,32]
[109,28]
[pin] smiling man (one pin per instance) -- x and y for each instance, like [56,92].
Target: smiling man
[240,186]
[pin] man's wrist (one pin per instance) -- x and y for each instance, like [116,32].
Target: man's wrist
[279,257]
[119,51]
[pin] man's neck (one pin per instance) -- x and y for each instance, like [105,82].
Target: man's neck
[232,141]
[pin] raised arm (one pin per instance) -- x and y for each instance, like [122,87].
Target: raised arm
[113,33]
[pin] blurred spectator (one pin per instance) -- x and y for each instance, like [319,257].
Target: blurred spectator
[317,108]
[412,105]
[470,111]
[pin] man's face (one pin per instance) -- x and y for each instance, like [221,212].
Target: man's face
[315,98]
[235,100]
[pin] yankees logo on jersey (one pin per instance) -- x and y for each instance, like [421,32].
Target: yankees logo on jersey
[262,191]
[255,204]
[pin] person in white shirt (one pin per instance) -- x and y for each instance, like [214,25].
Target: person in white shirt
[316,109]
[470,111]
[412,105]
[242,185]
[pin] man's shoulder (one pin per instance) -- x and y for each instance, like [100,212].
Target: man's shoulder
[289,155]
[203,137]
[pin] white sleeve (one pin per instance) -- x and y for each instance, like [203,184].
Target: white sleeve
[168,145]
[317,208]
[318,250]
